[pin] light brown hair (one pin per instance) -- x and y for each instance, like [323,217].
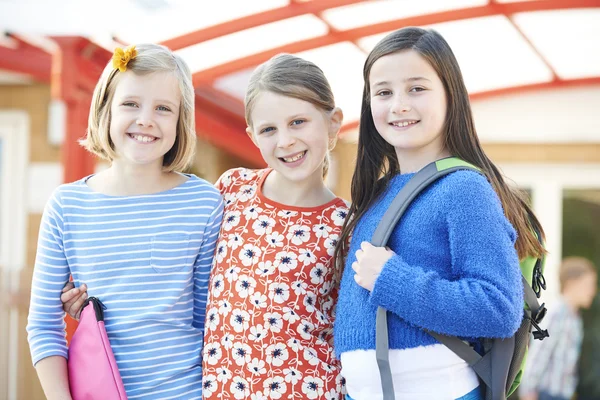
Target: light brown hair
[573,268]
[291,76]
[150,58]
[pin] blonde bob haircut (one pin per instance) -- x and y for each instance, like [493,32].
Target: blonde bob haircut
[150,58]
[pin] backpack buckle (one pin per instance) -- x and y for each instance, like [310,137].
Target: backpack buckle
[536,319]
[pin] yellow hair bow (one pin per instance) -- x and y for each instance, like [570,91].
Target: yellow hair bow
[121,57]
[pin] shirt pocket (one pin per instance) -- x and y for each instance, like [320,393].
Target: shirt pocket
[171,253]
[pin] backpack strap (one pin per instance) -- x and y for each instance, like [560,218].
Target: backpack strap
[421,180]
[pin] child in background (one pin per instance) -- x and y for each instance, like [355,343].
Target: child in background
[551,372]
[451,266]
[140,234]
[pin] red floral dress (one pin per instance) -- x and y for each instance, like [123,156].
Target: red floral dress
[269,317]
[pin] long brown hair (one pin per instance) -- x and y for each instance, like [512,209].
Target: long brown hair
[377,162]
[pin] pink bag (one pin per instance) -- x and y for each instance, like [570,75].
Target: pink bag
[93,372]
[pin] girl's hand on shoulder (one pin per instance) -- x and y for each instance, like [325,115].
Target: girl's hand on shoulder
[73,299]
[369,263]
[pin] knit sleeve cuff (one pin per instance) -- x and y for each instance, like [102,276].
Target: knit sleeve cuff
[389,285]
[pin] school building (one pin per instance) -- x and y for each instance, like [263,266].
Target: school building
[532,69]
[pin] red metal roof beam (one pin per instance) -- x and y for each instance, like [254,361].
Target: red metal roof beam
[210,74]
[251,21]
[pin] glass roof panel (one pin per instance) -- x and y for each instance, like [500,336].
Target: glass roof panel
[566,39]
[342,64]
[373,12]
[490,51]
[251,41]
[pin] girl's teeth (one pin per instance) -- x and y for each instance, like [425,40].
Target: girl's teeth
[143,139]
[295,158]
[405,123]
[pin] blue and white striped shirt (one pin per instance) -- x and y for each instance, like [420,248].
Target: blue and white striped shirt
[148,259]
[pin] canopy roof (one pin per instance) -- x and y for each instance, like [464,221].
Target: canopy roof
[502,46]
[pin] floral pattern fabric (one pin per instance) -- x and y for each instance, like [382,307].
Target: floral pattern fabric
[269,317]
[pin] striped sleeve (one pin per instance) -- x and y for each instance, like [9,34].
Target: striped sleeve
[45,324]
[203,264]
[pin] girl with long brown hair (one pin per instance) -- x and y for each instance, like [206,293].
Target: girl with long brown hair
[452,265]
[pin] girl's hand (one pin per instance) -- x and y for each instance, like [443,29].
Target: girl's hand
[73,299]
[369,263]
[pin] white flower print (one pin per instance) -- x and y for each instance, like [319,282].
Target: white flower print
[263,225]
[292,375]
[286,261]
[322,318]
[317,274]
[212,319]
[221,251]
[275,239]
[257,367]
[212,353]
[310,355]
[235,241]
[310,301]
[217,285]
[328,367]
[265,269]
[274,322]
[209,385]
[239,388]
[275,387]
[327,305]
[257,333]
[258,396]
[232,273]
[231,219]
[223,374]
[252,212]
[298,234]
[246,192]
[227,341]
[276,354]
[332,395]
[224,307]
[339,216]
[279,292]
[225,180]
[294,344]
[312,387]
[290,315]
[330,244]
[249,254]
[246,174]
[228,198]
[239,320]
[325,288]
[287,213]
[305,329]
[241,353]
[307,257]
[259,300]
[322,230]
[245,286]
[299,287]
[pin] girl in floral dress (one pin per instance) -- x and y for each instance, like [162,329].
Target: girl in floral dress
[272,288]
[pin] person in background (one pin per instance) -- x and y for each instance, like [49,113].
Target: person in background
[551,371]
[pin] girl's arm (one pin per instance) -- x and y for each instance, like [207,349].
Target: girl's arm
[54,377]
[46,325]
[485,299]
[204,263]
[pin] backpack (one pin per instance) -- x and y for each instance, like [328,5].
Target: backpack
[501,365]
